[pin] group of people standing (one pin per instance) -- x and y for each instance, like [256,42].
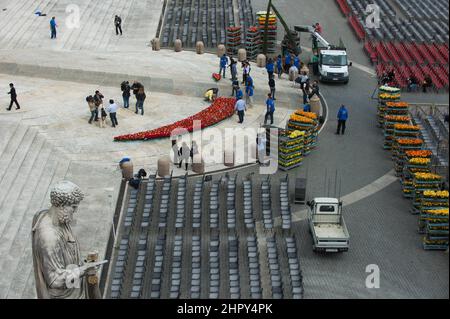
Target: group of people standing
[138,91]
[184,153]
[98,112]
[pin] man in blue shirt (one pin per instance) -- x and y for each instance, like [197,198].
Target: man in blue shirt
[249,92]
[239,93]
[240,107]
[279,66]
[270,109]
[223,64]
[53,26]
[297,62]
[342,117]
[270,67]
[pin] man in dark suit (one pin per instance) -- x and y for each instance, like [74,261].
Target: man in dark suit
[13,94]
[118,24]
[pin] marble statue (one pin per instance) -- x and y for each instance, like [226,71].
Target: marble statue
[58,267]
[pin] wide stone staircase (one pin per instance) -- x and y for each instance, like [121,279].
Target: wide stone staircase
[29,165]
[21,28]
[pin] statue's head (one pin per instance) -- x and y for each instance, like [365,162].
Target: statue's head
[65,198]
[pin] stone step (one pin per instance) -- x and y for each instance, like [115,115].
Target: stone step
[16,234]
[19,181]
[37,28]
[111,44]
[104,24]
[22,285]
[11,29]
[7,131]
[13,158]
[12,12]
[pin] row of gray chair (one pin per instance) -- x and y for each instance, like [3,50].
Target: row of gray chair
[197,204]
[294,268]
[231,202]
[249,220]
[120,267]
[214,204]
[177,254]
[181,203]
[155,292]
[254,268]
[165,201]
[286,216]
[148,201]
[233,267]
[140,266]
[214,267]
[266,203]
[274,268]
[131,209]
[196,268]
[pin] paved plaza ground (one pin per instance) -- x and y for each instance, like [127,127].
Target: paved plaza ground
[49,139]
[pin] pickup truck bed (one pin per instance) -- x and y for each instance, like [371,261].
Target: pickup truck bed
[329,231]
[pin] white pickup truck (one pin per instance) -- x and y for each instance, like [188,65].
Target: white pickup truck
[327,225]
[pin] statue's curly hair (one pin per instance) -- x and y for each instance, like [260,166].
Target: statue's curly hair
[66,193]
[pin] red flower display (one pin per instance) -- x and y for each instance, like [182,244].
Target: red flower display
[221,109]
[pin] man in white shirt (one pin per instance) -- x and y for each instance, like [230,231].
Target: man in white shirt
[240,108]
[112,110]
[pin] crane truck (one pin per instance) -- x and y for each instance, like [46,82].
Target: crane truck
[333,60]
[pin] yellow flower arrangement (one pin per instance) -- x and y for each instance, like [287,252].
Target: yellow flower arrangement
[439,212]
[310,115]
[436,194]
[296,134]
[427,176]
[419,161]
[397,104]
[397,118]
[301,119]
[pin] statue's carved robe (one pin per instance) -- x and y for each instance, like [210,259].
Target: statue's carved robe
[54,249]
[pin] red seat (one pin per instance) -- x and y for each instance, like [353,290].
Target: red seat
[417,57]
[343,5]
[381,51]
[406,58]
[392,51]
[443,50]
[435,53]
[424,52]
[356,25]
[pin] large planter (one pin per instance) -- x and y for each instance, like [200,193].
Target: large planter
[127,170]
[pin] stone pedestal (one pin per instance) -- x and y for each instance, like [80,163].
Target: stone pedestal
[156,44]
[261,61]
[127,170]
[164,166]
[178,45]
[198,165]
[316,105]
[221,50]
[228,158]
[199,47]
[242,55]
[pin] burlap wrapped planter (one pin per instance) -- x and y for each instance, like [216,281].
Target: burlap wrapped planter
[156,44]
[261,61]
[242,55]
[178,45]
[221,50]
[164,166]
[127,170]
[198,165]
[200,47]
[228,158]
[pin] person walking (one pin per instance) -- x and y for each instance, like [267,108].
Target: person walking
[240,108]
[103,116]
[112,110]
[118,24]
[185,153]
[245,72]
[270,67]
[239,93]
[280,66]
[53,26]
[315,90]
[233,69]
[249,91]
[92,108]
[270,103]
[272,87]
[126,89]
[342,117]
[194,150]
[223,65]
[287,62]
[140,97]
[13,94]
[98,100]
[235,86]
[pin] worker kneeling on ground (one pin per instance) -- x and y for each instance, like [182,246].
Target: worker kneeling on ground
[211,94]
